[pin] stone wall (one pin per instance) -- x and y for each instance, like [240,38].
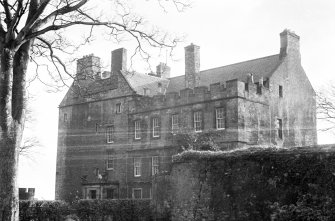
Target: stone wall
[250,184]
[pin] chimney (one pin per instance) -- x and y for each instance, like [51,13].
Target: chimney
[289,44]
[88,67]
[192,66]
[163,71]
[119,60]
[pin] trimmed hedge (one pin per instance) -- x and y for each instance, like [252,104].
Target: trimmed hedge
[98,210]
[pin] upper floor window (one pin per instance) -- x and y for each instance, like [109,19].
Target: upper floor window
[219,116]
[155,127]
[118,108]
[110,134]
[197,119]
[174,122]
[155,165]
[246,86]
[137,167]
[110,161]
[280,91]
[137,130]
[137,193]
[65,117]
[280,128]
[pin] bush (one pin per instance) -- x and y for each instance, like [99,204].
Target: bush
[116,210]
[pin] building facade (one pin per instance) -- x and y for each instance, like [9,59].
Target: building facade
[117,129]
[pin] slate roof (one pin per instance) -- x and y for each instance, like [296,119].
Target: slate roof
[139,82]
[261,67]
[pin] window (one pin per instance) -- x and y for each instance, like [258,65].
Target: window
[137,167]
[110,134]
[219,116]
[280,91]
[197,119]
[155,127]
[280,128]
[96,127]
[155,165]
[118,108]
[137,193]
[246,86]
[137,130]
[259,88]
[110,161]
[174,122]
[109,193]
[93,194]
[65,117]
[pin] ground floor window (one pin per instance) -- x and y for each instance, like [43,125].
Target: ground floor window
[137,193]
[110,193]
[93,194]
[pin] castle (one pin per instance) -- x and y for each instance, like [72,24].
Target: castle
[116,129]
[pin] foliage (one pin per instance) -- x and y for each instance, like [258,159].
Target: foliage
[87,210]
[204,141]
[263,184]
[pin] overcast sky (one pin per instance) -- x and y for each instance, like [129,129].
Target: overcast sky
[227,31]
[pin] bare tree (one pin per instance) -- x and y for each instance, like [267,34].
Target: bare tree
[31,28]
[326,108]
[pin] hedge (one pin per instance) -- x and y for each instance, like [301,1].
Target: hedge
[97,210]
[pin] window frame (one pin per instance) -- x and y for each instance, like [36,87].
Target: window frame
[197,119]
[118,109]
[110,161]
[137,131]
[222,119]
[137,167]
[154,165]
[137,189]
[280,91]
[174,125]
[65,118]
[155,128]
[280,128]
[95,193]
[110,134]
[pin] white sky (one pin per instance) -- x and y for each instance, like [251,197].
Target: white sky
[227,31]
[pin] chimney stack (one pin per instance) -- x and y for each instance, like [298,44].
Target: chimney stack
[192,66]
[88,67]
[163,71]
[289,44]
[119,60]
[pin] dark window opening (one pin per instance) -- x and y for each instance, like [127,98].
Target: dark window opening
[65,117]
[280,91]
[280,128]
[246,86]
[93,194]
[259,88]
[110,193]
[118,108]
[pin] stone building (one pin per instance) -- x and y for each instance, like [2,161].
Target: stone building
[117,128]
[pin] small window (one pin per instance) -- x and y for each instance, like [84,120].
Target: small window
[109,193]
[155,165]
[96,172]
[65,117]
[137,193]
[155,127]
[174,123]
[146,91]
[259,88]
[219,116]
[110,161]
[280,128]
[137,167]
[118,108]
[110,134]
[137,130]
[93,194]
[197,119]
[280,91]
[246,87]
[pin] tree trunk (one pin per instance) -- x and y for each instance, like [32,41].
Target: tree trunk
[12,113]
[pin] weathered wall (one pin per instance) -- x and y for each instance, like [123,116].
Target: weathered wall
[244,185]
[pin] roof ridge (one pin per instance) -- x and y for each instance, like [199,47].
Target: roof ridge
[241,62]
